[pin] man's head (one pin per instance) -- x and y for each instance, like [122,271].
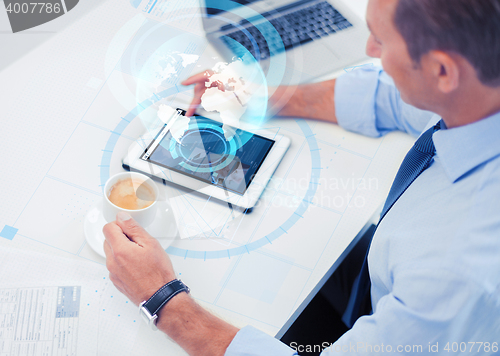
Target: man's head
[470,28]
[436,50]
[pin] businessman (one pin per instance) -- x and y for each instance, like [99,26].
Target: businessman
[434,261]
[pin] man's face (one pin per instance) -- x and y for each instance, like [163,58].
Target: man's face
[386,43]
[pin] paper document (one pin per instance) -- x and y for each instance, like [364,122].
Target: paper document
[39,321]
[180,12]
[49,306]
[54,306]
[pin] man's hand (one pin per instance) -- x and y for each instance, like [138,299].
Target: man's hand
[199,80]
[310,101]
[138,266]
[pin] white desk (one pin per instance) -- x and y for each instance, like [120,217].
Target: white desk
[63,133]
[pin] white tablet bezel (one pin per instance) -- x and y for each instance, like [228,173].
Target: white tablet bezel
[245,201]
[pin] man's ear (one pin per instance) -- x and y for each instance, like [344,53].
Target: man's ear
[445,70]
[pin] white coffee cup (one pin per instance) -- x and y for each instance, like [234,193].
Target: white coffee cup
[143,216]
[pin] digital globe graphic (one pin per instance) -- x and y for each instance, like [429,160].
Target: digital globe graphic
[236,94]
[235,91]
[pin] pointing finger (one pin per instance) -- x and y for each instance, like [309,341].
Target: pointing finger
[200,77]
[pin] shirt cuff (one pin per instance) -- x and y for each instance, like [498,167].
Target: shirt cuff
[252,342]
[355,95]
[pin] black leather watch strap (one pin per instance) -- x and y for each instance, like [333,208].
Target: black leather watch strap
[164,294]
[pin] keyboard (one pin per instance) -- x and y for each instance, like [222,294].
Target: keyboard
[293,29]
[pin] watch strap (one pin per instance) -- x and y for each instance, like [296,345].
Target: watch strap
[163,295]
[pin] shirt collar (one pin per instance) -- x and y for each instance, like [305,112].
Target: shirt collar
[463,148]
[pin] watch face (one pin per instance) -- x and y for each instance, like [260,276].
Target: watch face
[153,322]
[148,318]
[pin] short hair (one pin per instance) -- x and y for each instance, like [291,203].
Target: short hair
[470,28]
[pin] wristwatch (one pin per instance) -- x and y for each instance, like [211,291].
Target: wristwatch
[149,308]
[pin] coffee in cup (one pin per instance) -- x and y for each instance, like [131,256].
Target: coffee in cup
[132,193]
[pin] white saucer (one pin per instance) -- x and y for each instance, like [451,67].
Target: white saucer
[163,228]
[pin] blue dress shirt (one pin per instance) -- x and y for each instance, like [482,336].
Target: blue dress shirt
[435,259]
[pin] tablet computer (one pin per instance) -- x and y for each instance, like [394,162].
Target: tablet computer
[220,161]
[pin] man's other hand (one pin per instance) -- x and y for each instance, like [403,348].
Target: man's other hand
[138,266]
[310,101]
[199,80]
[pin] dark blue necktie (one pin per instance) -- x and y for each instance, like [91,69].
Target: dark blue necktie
[416,161]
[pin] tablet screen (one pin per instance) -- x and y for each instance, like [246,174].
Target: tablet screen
[217,154]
